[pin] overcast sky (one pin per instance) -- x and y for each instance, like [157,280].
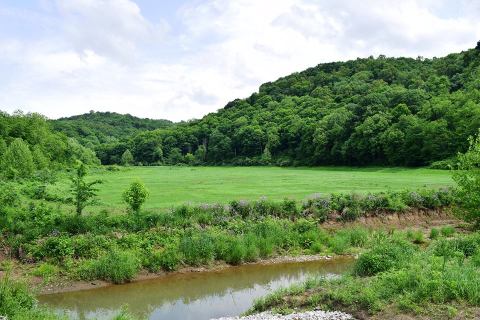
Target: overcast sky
[180,60]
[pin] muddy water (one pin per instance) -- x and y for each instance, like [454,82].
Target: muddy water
[188,296]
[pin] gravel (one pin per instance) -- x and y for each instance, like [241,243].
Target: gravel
[310,315]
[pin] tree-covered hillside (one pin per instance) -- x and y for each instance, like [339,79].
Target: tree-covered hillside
[385,111]
[95,128]
[28,145]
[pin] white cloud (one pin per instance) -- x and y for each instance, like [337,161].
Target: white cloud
[106,55]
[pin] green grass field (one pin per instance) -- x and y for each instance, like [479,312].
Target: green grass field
[171,186]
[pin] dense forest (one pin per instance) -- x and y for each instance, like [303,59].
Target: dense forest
[95,128]
[29,146]
[369,111]
[385,111]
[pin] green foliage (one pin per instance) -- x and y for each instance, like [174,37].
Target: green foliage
[116,266]
[197,248]
[383,257]
[190,159]
[447,231]
[175,156]
[418,282]
[167,260]
[135,196]
[127,158]
[434,234]
[18,303]
[384,111]
[83,192]
[46,270]
[467,177]
[95,128]
[17,161]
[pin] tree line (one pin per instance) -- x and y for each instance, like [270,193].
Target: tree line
[369,111]
[382,111]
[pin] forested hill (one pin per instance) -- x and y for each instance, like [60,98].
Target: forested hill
[95,128]
[371,111]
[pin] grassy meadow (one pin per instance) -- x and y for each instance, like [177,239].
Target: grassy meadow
[173,186]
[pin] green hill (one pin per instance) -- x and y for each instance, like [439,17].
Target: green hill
[95,128]
[382,111]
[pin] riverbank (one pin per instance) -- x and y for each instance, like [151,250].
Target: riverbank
[68,286]
[396,280]
[413,221]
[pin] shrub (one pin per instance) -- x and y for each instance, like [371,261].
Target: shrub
[167,260]
[318,207]
[236,252]
[383,257]
[135,196]
[55,247]
[14,297]
[434,234]
[197,248]
[339,243]
[447,231]
[46,271]
[115,266]
[416,236]
[242,208]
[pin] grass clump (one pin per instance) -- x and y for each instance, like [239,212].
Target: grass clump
[17,302]
[167,260]
[197,248]
[447,231]
[383,257]
[116,266]
[434,234]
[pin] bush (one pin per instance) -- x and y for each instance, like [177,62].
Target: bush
[434,234]
[416,236]
[167,260]
[197,248]
[116,266]
[339,243]
[236,252]
[46,271]
[14,297]
[447,231]
[383,257]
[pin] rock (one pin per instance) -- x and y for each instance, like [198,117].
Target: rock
[309,315]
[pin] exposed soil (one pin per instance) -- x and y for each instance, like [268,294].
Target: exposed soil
[419,219]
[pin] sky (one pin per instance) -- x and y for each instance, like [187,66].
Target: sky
[180,60]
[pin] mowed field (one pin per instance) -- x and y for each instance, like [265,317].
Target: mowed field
[172,186]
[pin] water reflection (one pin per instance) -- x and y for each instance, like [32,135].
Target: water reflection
[193,295]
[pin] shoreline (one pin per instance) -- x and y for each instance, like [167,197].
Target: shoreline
[73,285]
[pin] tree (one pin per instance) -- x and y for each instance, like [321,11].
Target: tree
[127,158]
[84,193]
[201,153]
[189,158]
[175,156]
[3,148]
[135,196]
[17,162]
[467,177]
[266,156]
[41,162]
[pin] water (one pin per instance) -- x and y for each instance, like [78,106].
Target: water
[190,296]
